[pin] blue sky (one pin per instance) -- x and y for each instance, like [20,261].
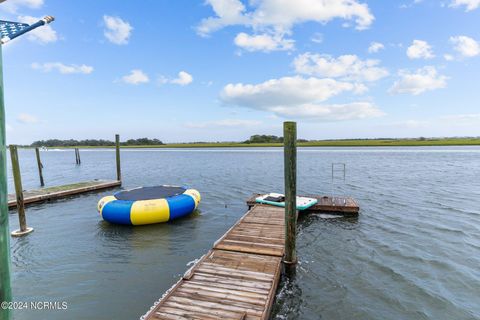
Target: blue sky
[222,70]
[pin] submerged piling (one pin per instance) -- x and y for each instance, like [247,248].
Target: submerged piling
[17,179]
[117,156]
[290,163]
[40,167]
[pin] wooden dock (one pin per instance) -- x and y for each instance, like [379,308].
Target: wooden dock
[52,193]
[237,279]
[326,204]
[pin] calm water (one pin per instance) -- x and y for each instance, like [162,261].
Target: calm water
[414,252]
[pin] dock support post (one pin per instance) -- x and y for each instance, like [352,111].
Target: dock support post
[117,155]
[77,156]
[5,289]
[290,163]
[40,167]
[19,194]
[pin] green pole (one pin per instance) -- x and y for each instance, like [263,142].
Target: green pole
[117,156]
[5,290]
[290,163]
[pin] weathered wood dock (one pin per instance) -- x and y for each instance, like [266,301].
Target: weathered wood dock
[326,204]
[58,192]
[237,279]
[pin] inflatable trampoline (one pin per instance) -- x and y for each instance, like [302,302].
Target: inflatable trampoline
[147,205]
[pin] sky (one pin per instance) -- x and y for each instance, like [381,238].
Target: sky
[223,70]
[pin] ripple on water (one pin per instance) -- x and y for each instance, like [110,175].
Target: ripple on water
[412,254]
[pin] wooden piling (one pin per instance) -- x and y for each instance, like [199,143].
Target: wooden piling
[290,163]
[117,155]
[19,194]
[40,167]
[77,156]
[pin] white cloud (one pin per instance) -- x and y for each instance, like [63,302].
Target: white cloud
[282,15]
[136,77]
[229,12]
[332,112]
[448,57]
[469,4]
[117,30]
[12,6]
[317,38]
[424,79]
[473,118]
[466,46]
[226,123]
[27,118]
[183,79]
[44,34]
[263,42]
[62,68]
[284,91]
[299,97]
[349,67]
[420,50]
[277,18]
[375,47]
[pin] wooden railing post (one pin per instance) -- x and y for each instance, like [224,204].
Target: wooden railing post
[40,167]
[17,179]
[117,155]
[290,163]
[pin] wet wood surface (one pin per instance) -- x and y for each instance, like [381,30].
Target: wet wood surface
[237,279]
[52,193]
[326,204]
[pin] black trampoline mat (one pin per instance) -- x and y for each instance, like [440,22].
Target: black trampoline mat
[149,193]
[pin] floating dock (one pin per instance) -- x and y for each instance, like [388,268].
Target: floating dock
[326,204]
[53,193]
[237,279]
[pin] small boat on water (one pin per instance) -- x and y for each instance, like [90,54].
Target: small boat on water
[148,205]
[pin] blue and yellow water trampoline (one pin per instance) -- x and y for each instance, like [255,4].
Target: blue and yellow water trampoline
[148,205]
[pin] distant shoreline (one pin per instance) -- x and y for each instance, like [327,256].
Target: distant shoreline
[322,143]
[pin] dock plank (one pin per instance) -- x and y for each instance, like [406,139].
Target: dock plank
[58,192]
[234,283]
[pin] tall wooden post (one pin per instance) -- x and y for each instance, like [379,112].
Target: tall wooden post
[290,163]
[40,167]
[5,289]
[17,179]
[117,155]
[77,156]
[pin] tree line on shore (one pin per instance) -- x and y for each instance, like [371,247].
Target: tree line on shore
[263,138]
[139,142]
[255,139]
[94,142]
